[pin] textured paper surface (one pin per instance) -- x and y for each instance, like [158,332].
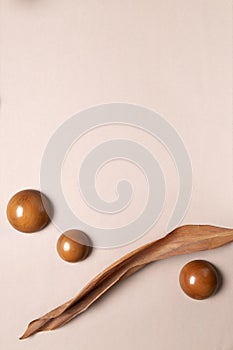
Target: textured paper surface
[60,57]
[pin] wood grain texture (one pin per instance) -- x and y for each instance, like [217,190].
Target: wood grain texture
[27,211]
[73,246]
[199,279]
[183,240]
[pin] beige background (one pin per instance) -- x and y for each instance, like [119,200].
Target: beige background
[61,56]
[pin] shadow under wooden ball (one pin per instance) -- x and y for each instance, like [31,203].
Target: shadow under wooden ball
[220,278]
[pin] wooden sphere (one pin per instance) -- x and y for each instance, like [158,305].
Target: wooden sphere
[73,246]
[27,212]
[199,279]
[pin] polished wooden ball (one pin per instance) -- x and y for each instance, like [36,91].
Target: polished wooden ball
[73,246]
[27,211]
[199,279]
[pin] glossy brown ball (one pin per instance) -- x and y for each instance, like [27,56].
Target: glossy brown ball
[73,246]
[27,211]
[199,279]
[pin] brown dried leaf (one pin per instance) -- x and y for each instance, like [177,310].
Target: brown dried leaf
[183,240]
